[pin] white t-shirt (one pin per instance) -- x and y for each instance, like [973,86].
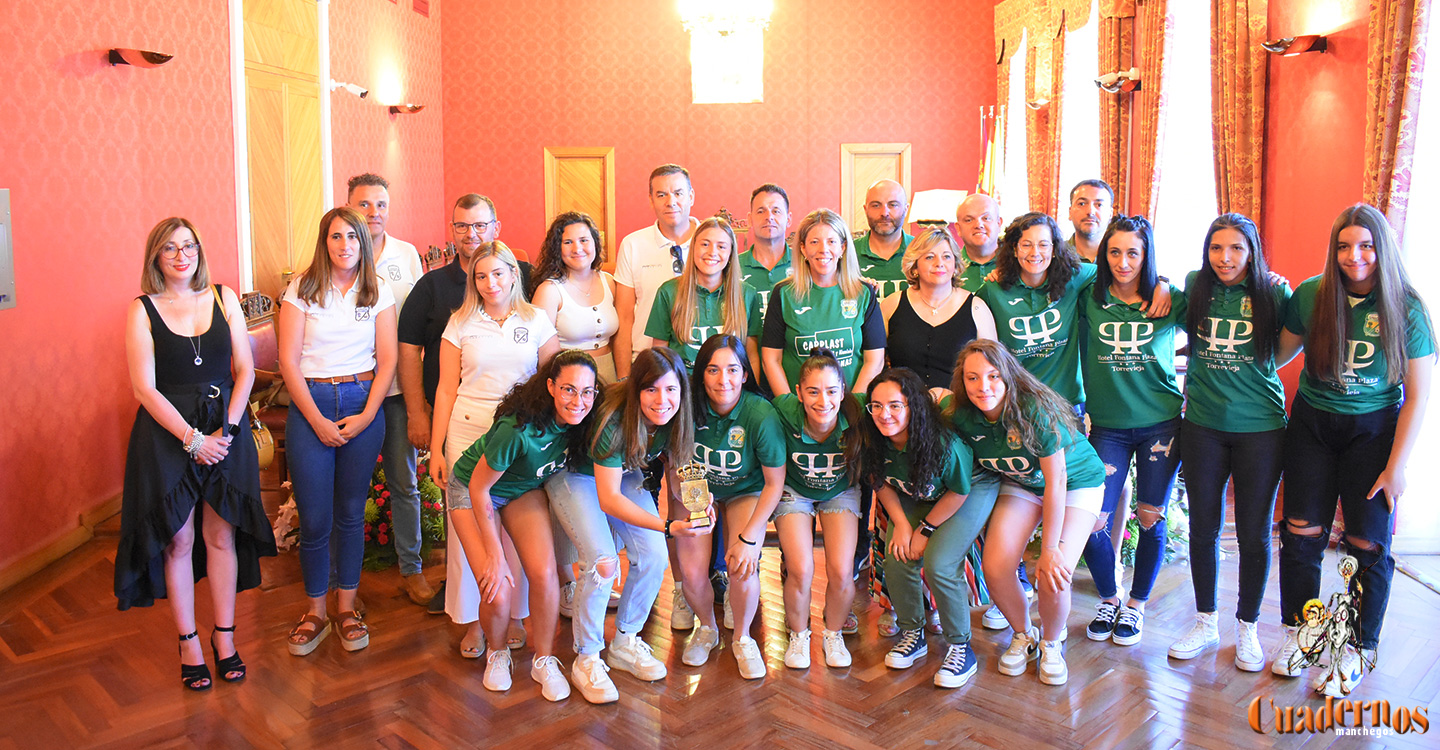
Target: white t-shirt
[493,358]
[339,337]
[643,264]
[400,267]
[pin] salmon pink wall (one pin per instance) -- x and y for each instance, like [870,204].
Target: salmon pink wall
[522,76]
[94,156]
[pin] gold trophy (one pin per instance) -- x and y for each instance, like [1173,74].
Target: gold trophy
[695,493]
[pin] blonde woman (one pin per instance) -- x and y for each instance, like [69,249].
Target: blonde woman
[708,298]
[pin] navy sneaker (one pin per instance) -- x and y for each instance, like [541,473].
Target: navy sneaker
[958,668]
[910,649]
[1103,625]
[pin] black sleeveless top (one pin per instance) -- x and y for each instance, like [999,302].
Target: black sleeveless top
[929,350]
[175,355]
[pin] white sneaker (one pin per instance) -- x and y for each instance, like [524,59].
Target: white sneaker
[748,658]
[833,643]
[628,653]
[588,674]
[1203,634]
[994,619]
[1052,663]
[729,613]
[705,640]
[549,672]
[681,616]
[889,627]
[1287,657]
[497,670]
[1249,654]
[1022,651]
[797,654]
[567,599]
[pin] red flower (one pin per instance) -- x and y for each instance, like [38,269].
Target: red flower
[383,528]
[379,502]
[384,539]
[386,493]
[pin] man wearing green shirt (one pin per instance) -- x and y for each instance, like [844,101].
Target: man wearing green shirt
[767,262]
[882,248]
[978,222]
[1092,204]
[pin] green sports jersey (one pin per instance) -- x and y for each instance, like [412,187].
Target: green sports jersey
[1363,387]
[885,271]
[1225,388]
[526,456]
[817,469]
[709,318]
[954,474]
[732,448]
[847,327]
[1129,361]
[1039,332]
[1002,452]
[616,460]
[762,279]
[975,272]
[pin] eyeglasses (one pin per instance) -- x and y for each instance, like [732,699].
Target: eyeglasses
[191,249]
[570,393]
[893,407]
[677,264]
[479,227]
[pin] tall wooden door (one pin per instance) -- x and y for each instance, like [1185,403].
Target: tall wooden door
[583,179]
[864,164]
[282,106]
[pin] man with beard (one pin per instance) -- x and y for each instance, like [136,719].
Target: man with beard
[1092,203]
[977,222]
[881,249]
[767,262]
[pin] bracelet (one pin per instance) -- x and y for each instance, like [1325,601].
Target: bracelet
[743,539]
[185,439]
[668,535]
[196,441]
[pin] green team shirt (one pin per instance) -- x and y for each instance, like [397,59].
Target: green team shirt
[885,271]
[954,473]
[526,456]
[846,327]
[658,439]
[1038,332]
[1363,387]
[732,448]
[1225,388]
[1129,361]
[975,272]
[817,469]
[709,318]
[1070,243]
[762,279]
[1003,453]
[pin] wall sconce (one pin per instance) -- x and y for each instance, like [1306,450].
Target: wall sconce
[406,109]
[1120,81]
[1295,45]
[138,57]
[351,87]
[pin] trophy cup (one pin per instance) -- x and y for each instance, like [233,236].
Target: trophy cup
[695,493]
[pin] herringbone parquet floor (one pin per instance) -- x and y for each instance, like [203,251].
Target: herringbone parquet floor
[74,672]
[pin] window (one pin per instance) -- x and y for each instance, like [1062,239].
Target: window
[1186,194]
[1014,180]
[1080,110]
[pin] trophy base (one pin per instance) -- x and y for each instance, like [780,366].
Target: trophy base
[699,520]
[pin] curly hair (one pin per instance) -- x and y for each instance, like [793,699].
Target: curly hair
[530,401]
[1064,263]
[1026,400]
[551,264]
[928,435]
[622,406]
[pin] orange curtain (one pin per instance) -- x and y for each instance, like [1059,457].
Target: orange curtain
[1157,36]
[1117,39]
[1237,91]
[1396,62]
[1042,124]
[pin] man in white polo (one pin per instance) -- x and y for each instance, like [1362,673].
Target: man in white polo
[649,257]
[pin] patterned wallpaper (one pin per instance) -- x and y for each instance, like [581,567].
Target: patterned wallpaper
[522,76]
[94,156]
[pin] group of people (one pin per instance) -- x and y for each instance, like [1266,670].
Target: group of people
[940,393]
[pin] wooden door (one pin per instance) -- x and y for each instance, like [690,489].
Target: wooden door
[583,179]
[864,164]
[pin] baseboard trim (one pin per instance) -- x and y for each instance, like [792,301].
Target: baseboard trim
[37,560]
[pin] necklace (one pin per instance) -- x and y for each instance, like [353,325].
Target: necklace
[194,340]
[934,308]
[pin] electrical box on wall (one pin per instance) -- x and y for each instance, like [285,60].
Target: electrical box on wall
[7,254]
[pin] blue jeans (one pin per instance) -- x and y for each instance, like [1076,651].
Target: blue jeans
[1156,453]
[398,457]
[331,485]
[597,536]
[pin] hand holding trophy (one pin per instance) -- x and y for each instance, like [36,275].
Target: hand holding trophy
[695,494]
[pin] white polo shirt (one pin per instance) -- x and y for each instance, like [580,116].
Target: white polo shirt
[493,358]
[339,337]
[400,267]
[643,264]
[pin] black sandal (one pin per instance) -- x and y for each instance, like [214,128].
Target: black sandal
[194,676]
[230,664]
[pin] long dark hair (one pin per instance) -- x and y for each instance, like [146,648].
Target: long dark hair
[530,402]
[1025,396]
[1064,263]
[1149,273]
[1265,314]
[622,404]
[551,264]
[702,360]
[823,359]
[928,434]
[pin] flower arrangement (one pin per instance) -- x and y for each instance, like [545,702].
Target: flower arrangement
[379,531]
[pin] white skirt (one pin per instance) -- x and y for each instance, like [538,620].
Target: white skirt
[462,593]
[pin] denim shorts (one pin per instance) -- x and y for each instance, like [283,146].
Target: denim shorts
[791,501]
[1088,499]
[457,495]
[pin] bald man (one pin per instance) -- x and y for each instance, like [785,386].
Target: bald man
[977,220]
[881,249]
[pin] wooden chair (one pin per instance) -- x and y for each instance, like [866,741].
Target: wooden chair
[269,391]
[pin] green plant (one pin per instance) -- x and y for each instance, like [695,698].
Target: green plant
[379,526]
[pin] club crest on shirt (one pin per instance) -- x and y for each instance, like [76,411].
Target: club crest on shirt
[1372,325]
[736,437]
[1246,309]
[1012,439]
[394,273]
[522,335]
[362,314]
[849,307]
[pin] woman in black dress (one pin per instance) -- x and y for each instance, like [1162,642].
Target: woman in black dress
[191,470]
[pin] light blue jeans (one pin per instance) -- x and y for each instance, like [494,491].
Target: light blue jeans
[597,536]
[397,456]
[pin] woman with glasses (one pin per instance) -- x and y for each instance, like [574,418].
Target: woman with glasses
[493,341]
[191,463]
[536,426]
[708,298]
[337,353]
[575,293]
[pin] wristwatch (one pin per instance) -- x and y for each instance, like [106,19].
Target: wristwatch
[231,430]
[926,529]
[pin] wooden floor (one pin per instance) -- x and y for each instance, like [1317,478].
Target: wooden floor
[74,672]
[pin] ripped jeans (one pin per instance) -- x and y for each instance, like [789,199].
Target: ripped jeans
[1156,453]
[598,538]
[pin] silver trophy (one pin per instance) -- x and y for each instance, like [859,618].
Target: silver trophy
[695,494]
